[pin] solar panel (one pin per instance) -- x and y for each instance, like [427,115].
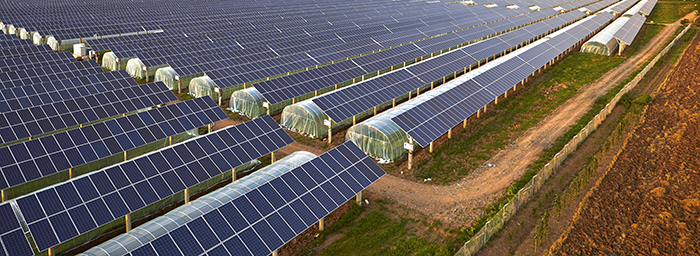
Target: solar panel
[629,31]
[64,211]
[25,123]
[15,44]
[29,62]
[12,237]
[29,50]
[295,85]
[34,159]
[345,103]
[648,7]
[265,218]
[25,97]
[48,73]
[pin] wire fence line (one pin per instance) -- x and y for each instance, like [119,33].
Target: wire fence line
[474,244]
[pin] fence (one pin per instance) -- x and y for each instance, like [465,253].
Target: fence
[474,244]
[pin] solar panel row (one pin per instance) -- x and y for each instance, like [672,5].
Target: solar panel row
[59,213]
[34,159]
[262,220]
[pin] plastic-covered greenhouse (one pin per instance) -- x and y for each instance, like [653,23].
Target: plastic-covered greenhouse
[178,217]
[305,118]
[248,102]
[135,69]
[381,138]
[203,86]
[167,76]
[604,42]
[38,39]
[110,60]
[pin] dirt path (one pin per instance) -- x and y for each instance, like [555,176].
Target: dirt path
[460,203]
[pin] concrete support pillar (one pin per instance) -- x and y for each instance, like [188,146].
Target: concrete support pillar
[320,225]
[505,95]
[315,93]
[179,86]
[2,196]
[449,133]
[418,92]
[430,147]
[410,158]
[233,175]
[393,102]
[375,111]
[272,156]
[274,253]
[52,252]
[496,100]
[464,124]
[208,128]
[127,221]
[358,198]
[353,120]
[124,155]
[431,85]
[293,100]
[70,173]
[187,195]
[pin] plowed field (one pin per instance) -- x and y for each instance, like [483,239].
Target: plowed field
[649,202]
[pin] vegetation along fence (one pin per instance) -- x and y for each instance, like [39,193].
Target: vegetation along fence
[496,223]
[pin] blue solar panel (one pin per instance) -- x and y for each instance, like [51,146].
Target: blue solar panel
[260,221]
[350,101]
[24,123]
[69,149]
[115,191]
[12,236]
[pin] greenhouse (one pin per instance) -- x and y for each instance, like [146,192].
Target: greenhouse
[604,43]
[37,38]
[180,216]
[11,30]
[61,45]
[203,86]
[137,69]
[169,76]
[248,102]
[305,118]
[109,60]
[383,139]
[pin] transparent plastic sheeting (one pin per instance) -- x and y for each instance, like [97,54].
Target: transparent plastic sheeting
[135,68]
[604,43]
[202,86]
[167,76]
[157,227]
[248,102]
[109,60]
[381,138]
[306,118]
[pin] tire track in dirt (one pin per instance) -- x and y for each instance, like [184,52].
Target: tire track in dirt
[460,203]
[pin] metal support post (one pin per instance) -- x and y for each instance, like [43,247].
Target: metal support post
[449,133]
[430,148]
[393,102]
[353,120]
[187,196]
[464,124]
[124,155]
[320,225]
[358,198]
[272,156]
[127,220]
[375,111]
[233,175]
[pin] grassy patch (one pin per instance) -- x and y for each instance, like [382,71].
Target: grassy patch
[647,32]
[377,234]
[682,44]
[670,12]
[513,117]
[186,96]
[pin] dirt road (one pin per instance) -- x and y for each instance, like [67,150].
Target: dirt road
[458,204]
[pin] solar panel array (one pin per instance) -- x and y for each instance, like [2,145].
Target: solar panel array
[59,213]
[622,6]
[25,123]
[433,118]
[40,94]
[29,62]
[45,156]
[647,7]
[48,73]
[12,238]
[347,102]
[629,31]
[29,50]
[262,220]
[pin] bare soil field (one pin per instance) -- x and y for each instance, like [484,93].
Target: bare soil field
[649,201]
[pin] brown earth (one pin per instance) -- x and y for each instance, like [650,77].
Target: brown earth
[458,204]
[649,201]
